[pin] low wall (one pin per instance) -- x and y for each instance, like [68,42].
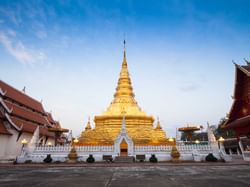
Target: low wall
[162,152]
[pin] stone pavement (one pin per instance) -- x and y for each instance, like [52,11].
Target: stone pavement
[140,174]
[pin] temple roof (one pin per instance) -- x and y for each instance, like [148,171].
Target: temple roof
[239,123]
[27,114]
[18,96]
[124,98]
[30,127]
[240,108]
[23,112]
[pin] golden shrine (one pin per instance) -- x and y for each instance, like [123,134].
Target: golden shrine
[139,125]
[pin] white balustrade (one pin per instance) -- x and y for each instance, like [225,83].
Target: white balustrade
[182,148]
[161,151]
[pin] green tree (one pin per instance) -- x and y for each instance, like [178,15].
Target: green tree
[221,131]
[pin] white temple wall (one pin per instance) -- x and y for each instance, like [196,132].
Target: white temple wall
[3,144]
[14,147]
[10,148]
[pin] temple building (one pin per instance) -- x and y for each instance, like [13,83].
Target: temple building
[139,126]
[20,116]
[239,115]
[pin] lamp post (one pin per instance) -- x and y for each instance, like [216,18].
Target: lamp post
[197,142]
[171,140]
[49,144]
[220,141]
[75,141]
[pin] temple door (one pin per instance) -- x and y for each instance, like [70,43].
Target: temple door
[123,148]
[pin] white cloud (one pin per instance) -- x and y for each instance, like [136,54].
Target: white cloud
[18,50]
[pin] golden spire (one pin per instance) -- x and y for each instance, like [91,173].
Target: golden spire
[158,126]
[124,52]
[124,95]
[88,126]
[124,87]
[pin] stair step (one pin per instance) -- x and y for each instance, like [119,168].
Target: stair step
[237,157]
[124,159]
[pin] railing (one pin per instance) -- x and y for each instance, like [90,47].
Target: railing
[59,149]
[245,152]
[182,148]
[45,148]
[198,147]
[109,148]
[158,148]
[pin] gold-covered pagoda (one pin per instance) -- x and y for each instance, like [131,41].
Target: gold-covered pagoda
[139,125]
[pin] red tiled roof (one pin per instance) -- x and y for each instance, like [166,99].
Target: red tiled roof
[31,127]
[57,125]
[1,115]
[239,123]
[3,129]
[52,121]
[20,97]
[246,68]
[240,107]
[25,113]
[50,118]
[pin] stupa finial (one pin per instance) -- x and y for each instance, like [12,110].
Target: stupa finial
[88,126]
[124,97]
[124,62]
[124,87]
[158,126]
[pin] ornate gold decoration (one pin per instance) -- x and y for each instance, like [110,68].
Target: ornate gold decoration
[175,154]
[73,155]
[139,125]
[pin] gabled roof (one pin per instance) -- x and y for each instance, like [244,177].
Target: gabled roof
[31,127]
[26,114]
[50,118]
[244,69]
[240,101]
[20,97]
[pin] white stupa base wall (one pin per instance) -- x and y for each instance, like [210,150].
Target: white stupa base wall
[195,152]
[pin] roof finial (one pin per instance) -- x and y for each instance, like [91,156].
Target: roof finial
[248,62]
[158,125]
[88,126]
[124,43]
[124,51]
[24,89]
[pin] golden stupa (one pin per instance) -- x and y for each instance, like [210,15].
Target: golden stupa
[139,125]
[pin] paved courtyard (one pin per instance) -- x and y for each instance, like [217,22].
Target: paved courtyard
[144,175]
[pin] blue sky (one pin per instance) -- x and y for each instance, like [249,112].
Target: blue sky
[68,54]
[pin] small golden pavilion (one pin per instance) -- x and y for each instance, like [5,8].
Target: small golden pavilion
[139,126]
